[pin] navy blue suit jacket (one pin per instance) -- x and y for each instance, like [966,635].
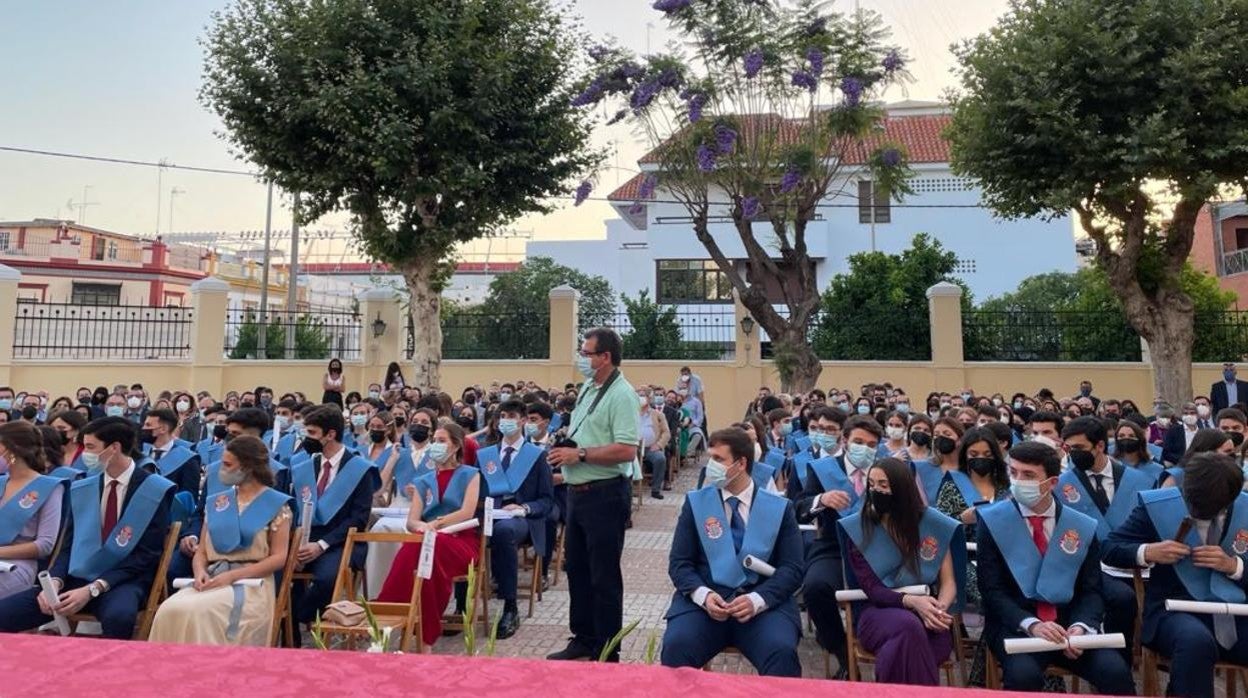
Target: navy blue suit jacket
[537,491]
[354,513]
[826,543]
[1174,445]
[1005,606]
[140,565]
[1163,582]
[188,476]
[688,567]
[1218,396]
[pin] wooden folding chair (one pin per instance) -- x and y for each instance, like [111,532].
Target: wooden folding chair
[727,650]
[992,673]
[859,656]
[143,623]
[455,621]
[282,614]
[1151,662]
[534,592]
[405,616]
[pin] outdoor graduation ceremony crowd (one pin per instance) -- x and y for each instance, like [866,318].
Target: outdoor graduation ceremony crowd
[919,534]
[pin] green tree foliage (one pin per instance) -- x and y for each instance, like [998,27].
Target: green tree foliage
[527,290]
[879,309]
[759,112]
[430,123]
[653,330]
[1131,113]
[312,341]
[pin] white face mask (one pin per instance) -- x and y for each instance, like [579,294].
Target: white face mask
[1163,422]
[1202,411]
[716,474]
[1189,420]
[232,478]
[896,433]
[183,406]
[134,402]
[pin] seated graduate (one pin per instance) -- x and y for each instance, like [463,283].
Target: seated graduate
[718,602]
[980,479]
[444,497]
[30,506]
[823,427]
[1040,576]
[896,541]
[210,447]
[340,484]
[516,475]
[1207,564]
[537,432]
[69,466]
[398,486]
[284,437]
[1131,448]
[115,534]
[175,462]
[946,434]
[1204,441]
[246,535]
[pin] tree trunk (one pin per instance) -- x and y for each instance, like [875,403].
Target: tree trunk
[797,362]
[1169,332]
[425,311]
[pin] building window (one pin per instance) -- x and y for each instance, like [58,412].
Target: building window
[96,294]
[881,211]
[1241,239]
[691,281]
[4,239]
[97,249]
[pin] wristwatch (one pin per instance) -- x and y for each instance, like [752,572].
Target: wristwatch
[581,454]
[94,588]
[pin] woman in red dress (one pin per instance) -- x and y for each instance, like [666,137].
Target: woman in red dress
[445,496]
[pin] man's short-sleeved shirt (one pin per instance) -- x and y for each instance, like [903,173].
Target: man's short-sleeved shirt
[614,421]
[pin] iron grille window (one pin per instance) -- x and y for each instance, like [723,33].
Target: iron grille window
[882,208]
[96,294]
[691,281]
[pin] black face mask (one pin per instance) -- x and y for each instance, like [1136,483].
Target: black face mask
[377,436]
[399,420]
[148,436]
[944,445]
[99,398]
[470,399]
[29,412]
[467,423]
[1129,445]
[219,432]
[1083,460]
[312,446]
[84,400]
[881,502]
[1237,438]
[419,433]
[921,439]
[982,466]
[64,439]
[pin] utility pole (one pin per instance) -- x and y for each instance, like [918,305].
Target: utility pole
[174,192]
[292,289]
[262,340]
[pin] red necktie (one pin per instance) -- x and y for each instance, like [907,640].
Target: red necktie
[324,481]
[1045,611]
[110,511]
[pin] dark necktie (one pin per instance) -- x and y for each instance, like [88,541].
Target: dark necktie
[157,453]
[1099,495]
[110,511]
[507,458]
[1045,611]
[323,483]
[736,524]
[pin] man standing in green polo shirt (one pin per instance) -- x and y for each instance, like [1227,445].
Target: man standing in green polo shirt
[596,469]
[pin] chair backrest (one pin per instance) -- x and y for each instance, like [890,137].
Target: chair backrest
[157,593]
[282,606]
[344,583]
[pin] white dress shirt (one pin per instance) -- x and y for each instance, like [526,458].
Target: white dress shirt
[1050,523]
[1107,479]
[743,510]
[123,485]
[1232,392]
[332,463]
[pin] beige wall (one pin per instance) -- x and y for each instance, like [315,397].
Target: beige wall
[729,385]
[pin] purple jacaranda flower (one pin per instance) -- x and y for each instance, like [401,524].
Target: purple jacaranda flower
[790,180]
[668,78]
[753,63]
[815,56]
[891,157]
[590,95]
[670,6]
[750,207]
[599,52]
[893,62]
[817,27]
[852,88]
[643,95]
[706,158]
[636,209]
[696,103]
[646,190]
[803,79]
[725,139]
[582,192]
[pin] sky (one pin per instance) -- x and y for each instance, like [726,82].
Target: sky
[120,79]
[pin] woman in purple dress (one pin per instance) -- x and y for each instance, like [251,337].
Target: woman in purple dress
[30,507]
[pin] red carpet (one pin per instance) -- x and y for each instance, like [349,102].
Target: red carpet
[42,667]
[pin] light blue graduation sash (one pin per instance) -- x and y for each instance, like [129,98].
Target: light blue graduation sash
[16,512]
[801,464]
[965,486]
[68,472]
[498,482]
[1176,473]
[232,531]
[775,458]
[210,452]
[89,557]
[350,471]
[1074,494]
[935,536]
[406,470]
[212,475]
[763,474]
[171,461]
[931,475]
[1152,469]
[436,504]
[801,440]
[286,447]
[1155,451]
[1051,578]
[715,533]
[832,477]
[1166,509]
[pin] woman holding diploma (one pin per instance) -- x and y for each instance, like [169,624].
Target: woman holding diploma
[246,536]
[445,496]
[30,506]
[896,541]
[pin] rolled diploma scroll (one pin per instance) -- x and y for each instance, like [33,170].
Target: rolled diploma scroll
[754,564]
[807,527]
[860,595]
[52,599]
[184,582]
[6,566]
[1027,645]
[305,523]
[1207,607]
[461,526]
[390,512]
[972,547]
